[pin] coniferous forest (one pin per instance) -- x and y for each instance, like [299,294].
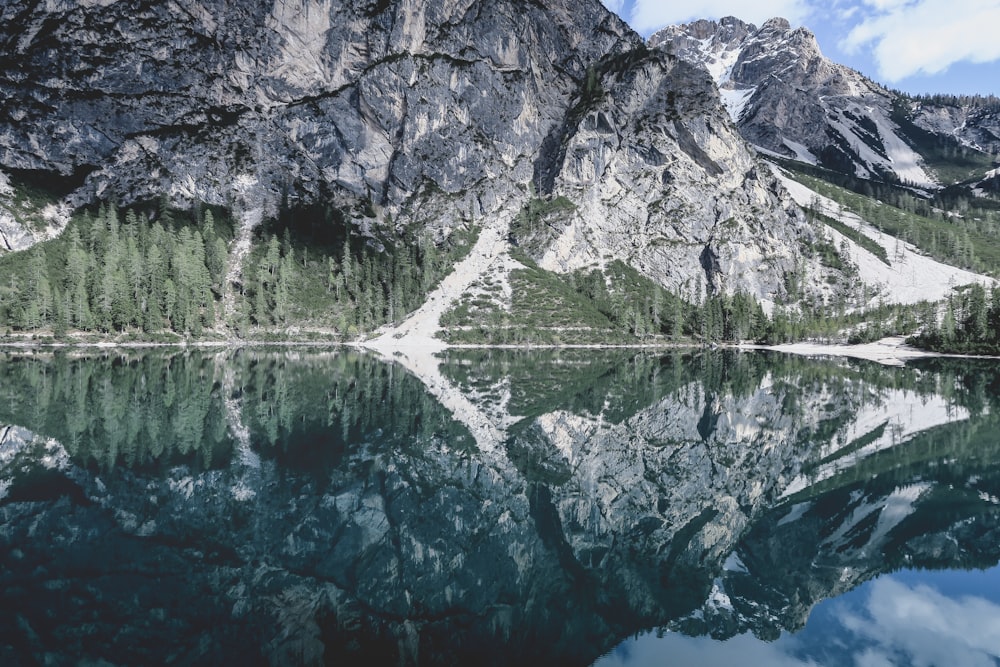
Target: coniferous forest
[156,273]
[164,272]
[114,272]
[971,323]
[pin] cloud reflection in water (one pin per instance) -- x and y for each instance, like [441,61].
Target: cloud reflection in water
[884,622]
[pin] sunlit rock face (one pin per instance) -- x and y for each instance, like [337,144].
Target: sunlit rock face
[401,114]
[660,179]
[790,100]
[814,110]
[355,516]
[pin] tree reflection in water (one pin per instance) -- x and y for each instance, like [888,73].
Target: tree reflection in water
[296,506]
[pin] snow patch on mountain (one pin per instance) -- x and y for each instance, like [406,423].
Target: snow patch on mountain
[903,160]
[896,156]
[789,99]
[736,101]
[802,153]
[910,277]
[720,65]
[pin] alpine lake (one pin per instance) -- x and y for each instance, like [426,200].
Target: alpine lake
[304,506]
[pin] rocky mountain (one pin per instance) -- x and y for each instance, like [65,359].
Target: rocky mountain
[790,100]
[400,115]
[228,104]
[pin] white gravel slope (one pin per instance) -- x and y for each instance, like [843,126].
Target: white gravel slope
[912,277]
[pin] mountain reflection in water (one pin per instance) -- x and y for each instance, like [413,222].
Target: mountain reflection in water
[305,507]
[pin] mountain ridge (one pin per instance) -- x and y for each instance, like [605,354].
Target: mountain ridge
[358,150]
[401,119]
[789,99]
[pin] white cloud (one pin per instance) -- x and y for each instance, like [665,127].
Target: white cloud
[649,15]
[614,5]
[650,651]
[927,627]
[891,624]
[886,5]
[910,37]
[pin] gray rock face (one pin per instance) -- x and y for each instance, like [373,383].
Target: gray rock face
[429,114]
[790,100]
[662,181]
[975,123]
[350,100]
[775,115]
[24,220]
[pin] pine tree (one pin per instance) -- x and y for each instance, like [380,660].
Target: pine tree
[282,288]
[135,275]
[170,303]
[77,269]
[39,291]
[155,279]
[201,283]
[948,325]
[215,252]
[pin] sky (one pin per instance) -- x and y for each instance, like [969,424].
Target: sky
[918,46]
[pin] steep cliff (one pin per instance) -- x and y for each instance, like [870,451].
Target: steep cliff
[401,115]
[790,100]
[357,99]
[662,181]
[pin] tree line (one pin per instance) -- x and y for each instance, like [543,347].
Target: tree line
[990,103]
[164,271]
[970,323]
[350,286]
[111,273]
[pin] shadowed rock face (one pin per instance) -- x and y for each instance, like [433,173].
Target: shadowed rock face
[399,114]
[372,99]
[358,520]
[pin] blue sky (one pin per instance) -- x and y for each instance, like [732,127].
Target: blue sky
[919,46]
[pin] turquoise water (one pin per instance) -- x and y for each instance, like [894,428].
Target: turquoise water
[328,507]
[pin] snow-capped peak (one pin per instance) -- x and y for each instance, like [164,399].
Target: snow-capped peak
[790,100]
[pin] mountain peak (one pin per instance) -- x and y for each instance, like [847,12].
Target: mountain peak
[790,100]
[776,23]
[726,30]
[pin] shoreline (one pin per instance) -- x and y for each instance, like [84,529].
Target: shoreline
[890,351]
[372,345]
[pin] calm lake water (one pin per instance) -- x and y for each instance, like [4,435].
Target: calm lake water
[292,507]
